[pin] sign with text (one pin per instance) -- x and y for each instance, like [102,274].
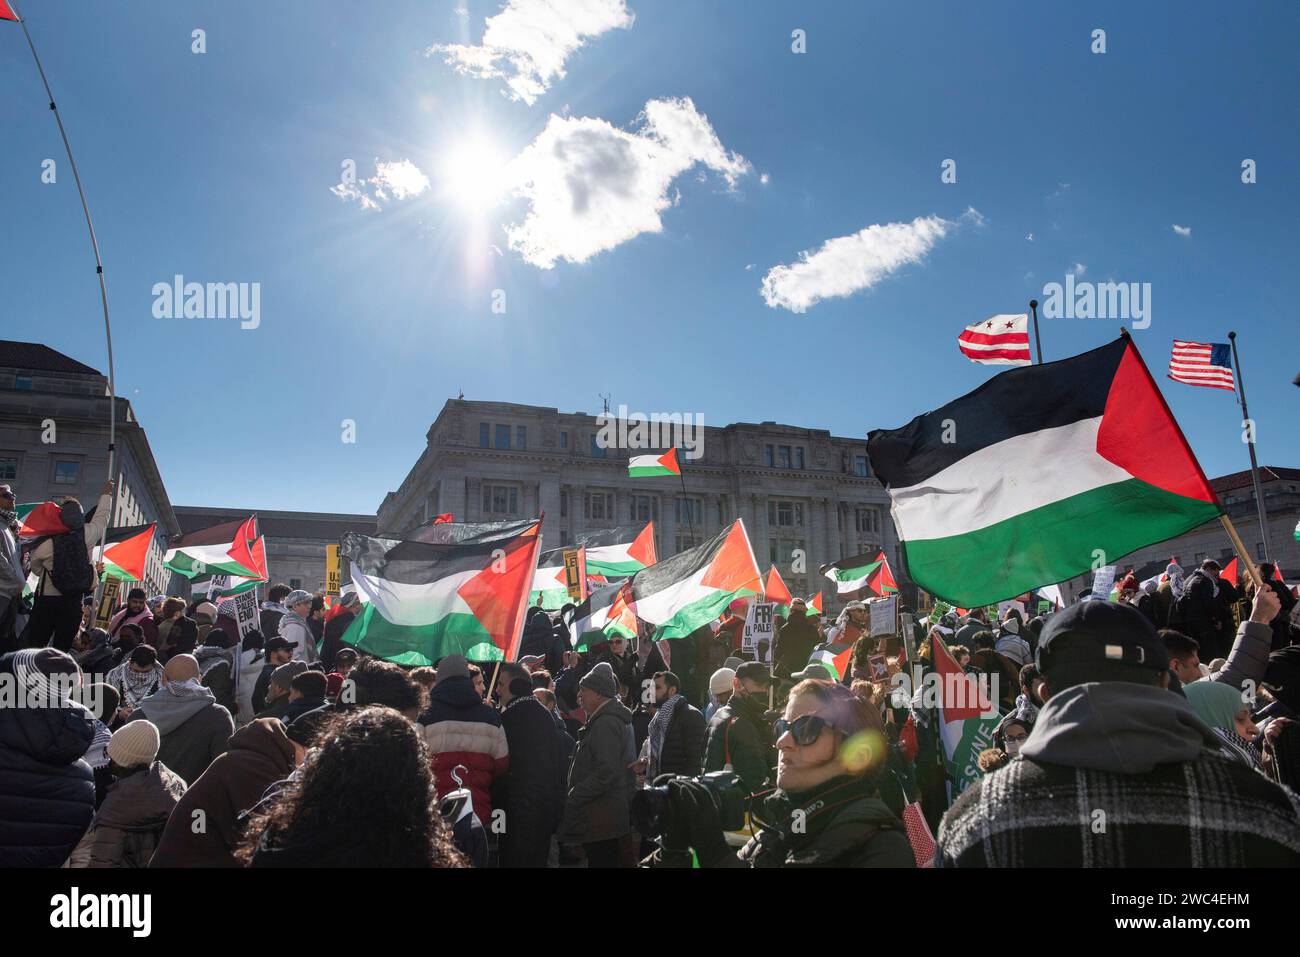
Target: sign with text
[332,570]
[757,637]
[107,603]
[884,616]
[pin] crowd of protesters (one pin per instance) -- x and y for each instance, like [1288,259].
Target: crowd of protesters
[1159,728]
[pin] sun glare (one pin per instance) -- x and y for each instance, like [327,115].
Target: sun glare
[473,175]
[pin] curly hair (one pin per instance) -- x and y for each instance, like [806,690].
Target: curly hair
[366,798]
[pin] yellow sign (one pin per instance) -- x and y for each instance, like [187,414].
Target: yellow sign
[107,602]
[575,573]
[331,569]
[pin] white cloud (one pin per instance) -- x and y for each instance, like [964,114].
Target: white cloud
[398,180]
[527,43]
[591,186]
[1030,237]
[749,267]
[1182,230]
[1078,269]
[849,264]
[764,179]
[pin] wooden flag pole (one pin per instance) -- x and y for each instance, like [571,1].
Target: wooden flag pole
[103,289]
[1254,464]
[1038,343]
[1241,551]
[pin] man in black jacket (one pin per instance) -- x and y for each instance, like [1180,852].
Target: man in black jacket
[739,734]
[1198,614]
[795,640]
[532,790]
[676,731]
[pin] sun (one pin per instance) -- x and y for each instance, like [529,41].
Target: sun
[473,174]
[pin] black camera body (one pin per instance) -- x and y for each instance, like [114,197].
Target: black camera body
[724,787]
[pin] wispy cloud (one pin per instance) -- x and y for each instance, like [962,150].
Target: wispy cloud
[1182,230]
[398,180]
[528,42]
[1078,269]
[849,264]
[591,186]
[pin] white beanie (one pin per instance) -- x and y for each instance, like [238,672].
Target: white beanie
[720,683]
[135,744]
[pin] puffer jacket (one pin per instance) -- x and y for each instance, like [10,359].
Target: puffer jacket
[130,822]
[459,729]
[47,792]
[598,807]
[293,627]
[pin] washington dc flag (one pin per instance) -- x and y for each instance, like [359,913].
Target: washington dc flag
[1025,479]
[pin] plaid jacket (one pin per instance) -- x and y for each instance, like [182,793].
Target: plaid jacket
[1211,812]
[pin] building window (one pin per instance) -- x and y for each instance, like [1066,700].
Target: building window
[1259,551]
[8,467]
[482,435]
[596,451]
[798,457]
[564,537]
[866,520]
[785,514]
[643,508]
[23,382]
[502,437]
[598,505]
[564,440]
[682,543]
[521,436]
[783,459]
[860,467]
[689,510]
[781,552]
[721,513]
[66,473]
[500,500]
[564,503]
[295,583]
[768,456]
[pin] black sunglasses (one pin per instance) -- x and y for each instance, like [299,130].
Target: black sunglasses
[805,729]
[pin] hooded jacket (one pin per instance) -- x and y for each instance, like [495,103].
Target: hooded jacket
[194,729]
[1119,774]
[795,641]
[739,733]
[532,790]
[47,792]
[458,728]
[42,557]
[260,753]
[131,819]
[294,627]
[598,806]
[216,667]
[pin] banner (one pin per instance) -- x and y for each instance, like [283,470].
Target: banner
[246,613]
[575,574]
[332,579]
[884,617]
[757,636]
[107,602]
[1103,581]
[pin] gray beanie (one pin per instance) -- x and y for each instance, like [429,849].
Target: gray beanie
[282,677]
[297,597]
[601,680]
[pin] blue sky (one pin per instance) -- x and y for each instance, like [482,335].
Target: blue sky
[219,166]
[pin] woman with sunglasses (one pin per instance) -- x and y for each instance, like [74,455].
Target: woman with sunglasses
[825,811]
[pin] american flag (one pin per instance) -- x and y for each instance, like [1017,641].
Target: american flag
[1202,363]
[1002,340]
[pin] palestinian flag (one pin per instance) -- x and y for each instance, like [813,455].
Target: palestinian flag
[212,551]
[854,574]
[550,589]
[39,518]
[774,590]
[644,466]
[619,559]
[440,530]
[604,614]
[815,606]
[882,579]
[1023,480]
[7,12]
[836,664]
[1229,573]
[126,552]
[966,718]
[694,587]
[422,601]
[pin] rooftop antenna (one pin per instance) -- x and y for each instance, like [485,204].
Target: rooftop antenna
[605,396]
[462,394]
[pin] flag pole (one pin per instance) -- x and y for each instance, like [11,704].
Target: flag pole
[99,272]
[1251,568]
[686,501]
[1038,343]
[1254,464]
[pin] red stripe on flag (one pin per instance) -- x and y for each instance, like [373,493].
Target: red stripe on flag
[984,338]
[996,353]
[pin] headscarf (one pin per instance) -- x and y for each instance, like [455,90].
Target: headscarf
[658,731]
[1174,572]
[1215,702]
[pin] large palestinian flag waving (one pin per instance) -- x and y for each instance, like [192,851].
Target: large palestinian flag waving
[967,717]
[1023,480]
[39,518]
[855,573]
[223,549]
[611,554]
[604,614]
[126,552]
[774,590]
[693,587]
[423,601]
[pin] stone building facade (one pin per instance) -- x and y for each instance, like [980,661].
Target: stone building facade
[798,489]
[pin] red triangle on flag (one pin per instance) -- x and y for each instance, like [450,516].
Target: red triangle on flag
[732,568]
[774,589]
[7,12]
[498,597]
[1229,573]
[669,461]
[642,548]
[131,554]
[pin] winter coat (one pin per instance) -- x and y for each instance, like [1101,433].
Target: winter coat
[251,665]
[532,790]
[333,641]
[47,792]
[42,556]
[145,620]
[1197,613]
[294,628]
[1139,754]
[297,709]
[259,755]
[1248,660]
[129,823]
[215,665]
[194,730]
[458,728]
[859,832]
[268,618]
[795,640]
[600,781]
[683,747]
[739,733]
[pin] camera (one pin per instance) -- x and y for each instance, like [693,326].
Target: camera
[724,787]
